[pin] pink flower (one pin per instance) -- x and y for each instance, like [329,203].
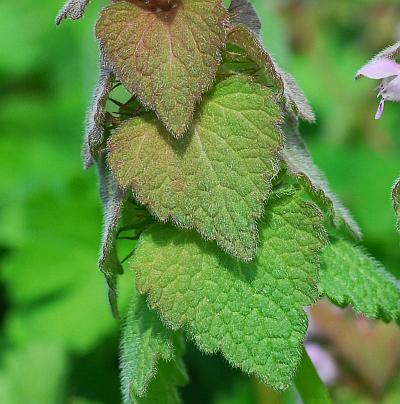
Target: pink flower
[323,362]
[384,67]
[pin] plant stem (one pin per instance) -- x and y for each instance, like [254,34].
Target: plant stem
[309,385]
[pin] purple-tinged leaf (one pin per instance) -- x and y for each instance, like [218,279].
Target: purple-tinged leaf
[167,58]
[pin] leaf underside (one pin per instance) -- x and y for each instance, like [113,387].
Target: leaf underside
[73,9]
[300,165]
[348,276]
[251,312]
[151,368]
[94,131]
[216,178]
[285,85]
[167,58]
[396,199]
[113,200]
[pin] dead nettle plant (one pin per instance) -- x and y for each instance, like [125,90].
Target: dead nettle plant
[194,131]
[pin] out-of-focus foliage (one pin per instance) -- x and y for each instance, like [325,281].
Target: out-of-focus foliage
[58,340]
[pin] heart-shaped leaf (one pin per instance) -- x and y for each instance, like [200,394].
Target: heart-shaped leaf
[168,58]
[251,312]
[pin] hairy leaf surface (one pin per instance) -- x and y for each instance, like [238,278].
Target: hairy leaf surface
[216,178]
[243,12]
[274,76]
[349,276]
[113,199]
[300,164]
[167,58]
[396,200]
[251,312]
[73,9]
[150,366]
[94,132]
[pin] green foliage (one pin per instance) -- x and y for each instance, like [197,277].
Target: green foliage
[269,72]
[350,276]
[63,254]
[167,58]
[216,178]
[53,300]
[301,166]
[251,312]
[249,49]
[162,388]
[150,366]
[45,368]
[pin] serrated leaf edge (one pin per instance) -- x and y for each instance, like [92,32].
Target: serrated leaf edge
[381,313]
[275,165]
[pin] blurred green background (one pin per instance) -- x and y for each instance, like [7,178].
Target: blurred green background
[59,342]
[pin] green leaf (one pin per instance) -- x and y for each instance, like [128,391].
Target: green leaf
[150,366]
[283,83]
[300,165]
[396,199]
[350,276]
[73,9]
[94,133]
[251,312]
[162,388]
[167,58]
[216,178]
